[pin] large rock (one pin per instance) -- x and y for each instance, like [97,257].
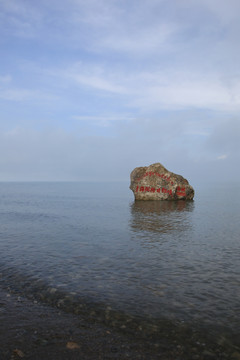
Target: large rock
[155,182]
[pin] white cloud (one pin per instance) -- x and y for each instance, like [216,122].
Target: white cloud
[9,91]
[154,90]
[97,82]
[15,94]
[20,18]
[183,90]
[226,11]
[88,75]
[5,79]
[143,41]
[104,120]
[222,157]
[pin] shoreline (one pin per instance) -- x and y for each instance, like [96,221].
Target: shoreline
[30,329]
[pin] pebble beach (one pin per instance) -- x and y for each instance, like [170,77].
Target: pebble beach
[33,330]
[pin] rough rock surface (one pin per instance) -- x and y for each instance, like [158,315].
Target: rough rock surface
[155,182]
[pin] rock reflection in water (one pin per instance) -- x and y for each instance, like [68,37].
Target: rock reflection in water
[160,216]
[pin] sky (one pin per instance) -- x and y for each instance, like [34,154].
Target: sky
[89,90]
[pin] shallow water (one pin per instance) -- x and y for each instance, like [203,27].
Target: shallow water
[171,260]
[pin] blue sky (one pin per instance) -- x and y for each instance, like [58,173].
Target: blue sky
[91,89]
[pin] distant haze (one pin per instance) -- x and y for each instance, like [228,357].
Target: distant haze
[91,89]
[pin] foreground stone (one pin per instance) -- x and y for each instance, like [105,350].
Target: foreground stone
[155,182]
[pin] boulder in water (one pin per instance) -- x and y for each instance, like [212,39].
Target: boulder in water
[155,182]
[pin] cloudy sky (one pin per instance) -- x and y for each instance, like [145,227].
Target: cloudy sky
[91,89]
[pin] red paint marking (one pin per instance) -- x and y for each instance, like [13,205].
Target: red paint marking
[181,191]
[159,190]
[151,173]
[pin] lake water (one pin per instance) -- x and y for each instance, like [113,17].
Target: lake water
[90,243]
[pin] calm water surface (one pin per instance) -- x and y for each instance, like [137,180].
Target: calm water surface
[177,260]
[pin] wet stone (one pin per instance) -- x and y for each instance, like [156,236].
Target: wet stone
[236,355]
[208,355]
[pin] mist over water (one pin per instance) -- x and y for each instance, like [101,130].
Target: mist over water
[173,260]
